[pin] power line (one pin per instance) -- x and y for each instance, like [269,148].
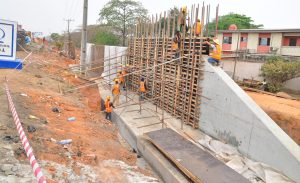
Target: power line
[69,53]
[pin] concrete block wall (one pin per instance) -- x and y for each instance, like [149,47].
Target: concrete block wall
[229,114]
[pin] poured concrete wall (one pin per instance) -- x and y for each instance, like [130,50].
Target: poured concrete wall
[94,60]
[229,114]
[114,59]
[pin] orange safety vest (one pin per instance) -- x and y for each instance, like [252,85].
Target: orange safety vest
[107,106]
[174,45]
[142,86]
[198,28]
[217,53]
[121,77]
[116,89]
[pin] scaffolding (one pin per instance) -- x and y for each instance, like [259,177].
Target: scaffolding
[173,77]
[172,82]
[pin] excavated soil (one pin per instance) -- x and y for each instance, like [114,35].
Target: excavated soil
[36,91]
[285,112]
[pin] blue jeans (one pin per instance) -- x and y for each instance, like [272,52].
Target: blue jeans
[142,95]
[108,116]
[213,61]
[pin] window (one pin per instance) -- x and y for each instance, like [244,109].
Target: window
[293,42]
[244,39]
[264,41]
[227,40]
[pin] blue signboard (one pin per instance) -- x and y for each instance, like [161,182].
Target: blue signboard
[8,41]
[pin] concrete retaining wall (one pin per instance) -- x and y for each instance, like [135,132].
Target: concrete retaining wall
[94,59]
[113,61]
[229,114]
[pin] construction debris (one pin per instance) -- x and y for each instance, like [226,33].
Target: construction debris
[31,128]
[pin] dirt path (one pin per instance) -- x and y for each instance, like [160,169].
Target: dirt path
[285,112]
[95,154]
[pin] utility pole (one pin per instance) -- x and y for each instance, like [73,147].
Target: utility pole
[69,37]
[84,34]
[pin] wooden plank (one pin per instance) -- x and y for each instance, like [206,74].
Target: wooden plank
[197,164]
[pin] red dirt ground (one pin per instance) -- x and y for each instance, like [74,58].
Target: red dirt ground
[94,138]
[285,112]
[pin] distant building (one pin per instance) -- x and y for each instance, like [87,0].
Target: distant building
[262,41]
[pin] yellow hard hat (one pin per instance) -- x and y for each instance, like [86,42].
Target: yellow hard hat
[216,41]
[108,97]
[184,8]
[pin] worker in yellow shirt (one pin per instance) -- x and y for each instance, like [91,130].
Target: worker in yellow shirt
[143,88]
[108,108]
[116,92]
[217,52]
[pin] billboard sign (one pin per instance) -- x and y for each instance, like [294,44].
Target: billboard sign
[8,40]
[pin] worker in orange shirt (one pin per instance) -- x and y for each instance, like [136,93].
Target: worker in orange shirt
[198,28]
[121,79]
[116,92]
[108,108]
[176,46]
[143,88]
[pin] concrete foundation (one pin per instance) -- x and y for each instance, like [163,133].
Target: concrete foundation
[229,114]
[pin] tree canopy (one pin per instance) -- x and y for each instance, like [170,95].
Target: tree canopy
[105,38]
[241,21]
[122,14]
[55,36]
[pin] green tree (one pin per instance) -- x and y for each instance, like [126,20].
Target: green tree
[241,21]
[122,14]
[55,36]
[277,70]
[105,38]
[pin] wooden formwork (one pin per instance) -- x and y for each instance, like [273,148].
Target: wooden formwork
[174,84]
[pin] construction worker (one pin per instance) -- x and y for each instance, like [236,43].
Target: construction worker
[108,108]
[217,52]
[143,88]
[176,45]
[116,92]
[124,72]
[198,28]
[183,18]
[121,79]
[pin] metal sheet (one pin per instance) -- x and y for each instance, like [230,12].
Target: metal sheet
[197,164]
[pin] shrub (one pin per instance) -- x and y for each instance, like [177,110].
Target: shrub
[276,71]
